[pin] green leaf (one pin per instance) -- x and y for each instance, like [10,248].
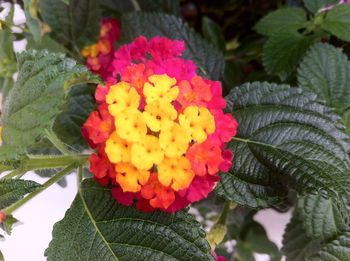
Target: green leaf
[315,5]
[283,51]
[32,23]
[7,55]
[8,224]
[46,42]
[289,19]
[74,25]
[12,190]
[325,70]
[285,140]
[209,60]
[322,217]
[337,22]
[338,249]
[37,98]
[164,6]
[213,33]
[6,85]
[297,246]
[75,112]
[96,227]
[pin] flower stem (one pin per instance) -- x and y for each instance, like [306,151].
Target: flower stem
[34,162]
[57,142]
[47,184]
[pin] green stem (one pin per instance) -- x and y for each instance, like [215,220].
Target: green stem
[224,214]
[136,5]
[80,175]
[14,173]
[47,184]
[57,142]
[53,161]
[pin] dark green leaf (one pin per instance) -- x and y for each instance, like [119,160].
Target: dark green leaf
[297,246]
[124,6]
[213,33]
[75,25]
[283,51]
[97,228]
[338,249]
[12,190]
[46,42]
[337,22]
[68,124]
[32,23]
[325,70]
[285,140]
[209,60]
[282,20]
[37,98]
[315,5]
[322,217]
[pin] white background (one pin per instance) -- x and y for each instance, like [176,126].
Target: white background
[30,239]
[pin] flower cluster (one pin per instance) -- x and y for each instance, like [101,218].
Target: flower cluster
[159,129]
[99,56]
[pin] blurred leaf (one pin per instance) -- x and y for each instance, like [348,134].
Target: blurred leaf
[208,58]
[116,232]
[283,51]
[337,22]
[36,99]
[243,252]
[47,43]
[212,32]
[30,11]
[282,20]
[6,85]
[315,5]
[75,25]
[8,224]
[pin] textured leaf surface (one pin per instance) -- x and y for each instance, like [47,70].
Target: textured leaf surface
[283,51]
[97,228]
[325,70]
[315,5]
[337,22]
[37,98]
[76,24]
[209,59]
[285,139]
[282,20]
[12,190]
[322,217]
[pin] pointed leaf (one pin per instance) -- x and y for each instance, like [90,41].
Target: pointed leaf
[337,22]
[97,228]
[37,98]
[315,5]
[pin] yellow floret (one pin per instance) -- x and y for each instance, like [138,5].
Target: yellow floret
[117,149]
[162,89]
[122,97]
[131,126]
[176,172]
[146,153]
[159,116]
[130,178]
[174,141]
[198,122]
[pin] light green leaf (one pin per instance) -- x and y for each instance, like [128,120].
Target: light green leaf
[289,19]
[8,224]
[283,51]
[337,22]
[75,25]
[12,190]
[213,33]
[315,5]
[6,85]
[285,140]
[36,99]
[209,59]
[98,228]
[31,7]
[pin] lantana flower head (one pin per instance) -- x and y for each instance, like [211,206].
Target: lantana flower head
[160,130]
